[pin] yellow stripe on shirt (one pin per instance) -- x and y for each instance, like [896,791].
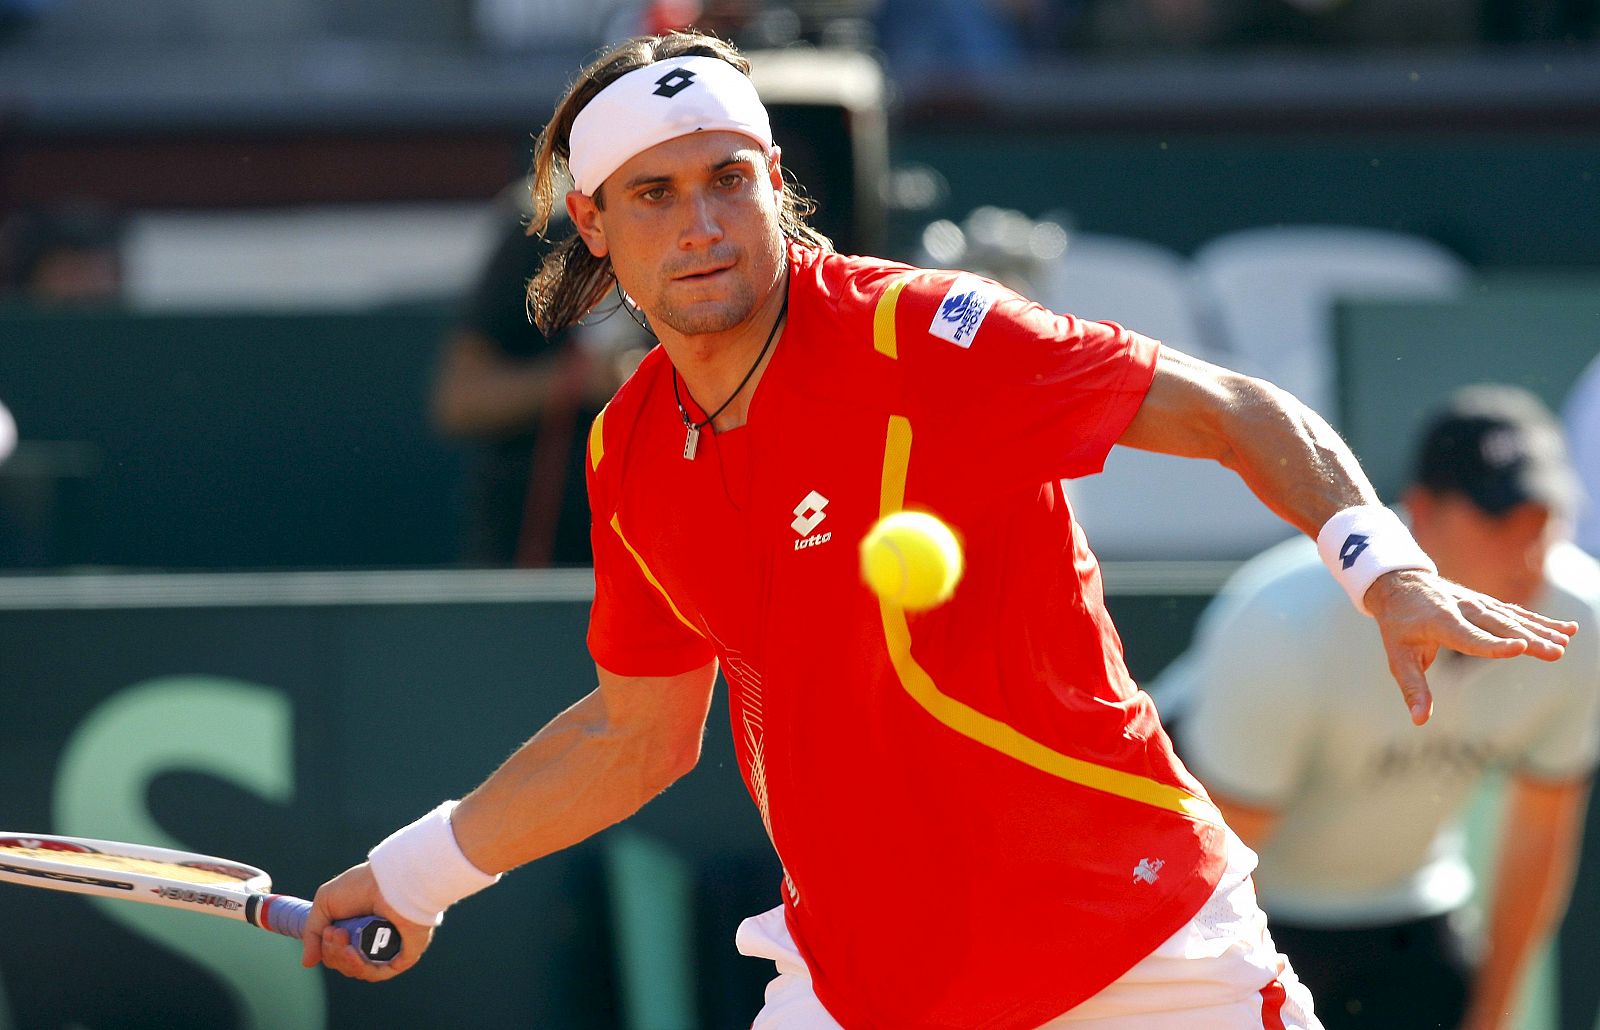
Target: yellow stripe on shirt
[616,525]
[883,334]
[597,440]
[968,721]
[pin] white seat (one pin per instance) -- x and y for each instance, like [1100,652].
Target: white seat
[1273,291]
[1143,286]
[8,434]
[1152,506]
[1581,413]
[308,258]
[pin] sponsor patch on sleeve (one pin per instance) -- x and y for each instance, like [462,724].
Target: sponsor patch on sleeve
[963,310]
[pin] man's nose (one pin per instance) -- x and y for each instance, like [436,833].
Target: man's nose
[703,227]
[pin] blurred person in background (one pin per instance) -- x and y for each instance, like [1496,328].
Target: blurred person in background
[729,19]
[1199,25]
[1582,416]
[750,24]
[948,36]
[524,402]
[69,254]
[1284,711]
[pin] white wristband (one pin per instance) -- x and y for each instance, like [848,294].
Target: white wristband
[421,871]
[1360,544]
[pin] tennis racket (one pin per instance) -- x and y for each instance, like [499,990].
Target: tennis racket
[177,879]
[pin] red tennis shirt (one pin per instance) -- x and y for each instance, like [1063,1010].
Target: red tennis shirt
[980,819]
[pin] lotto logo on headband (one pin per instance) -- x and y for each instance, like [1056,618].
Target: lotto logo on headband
[673,83]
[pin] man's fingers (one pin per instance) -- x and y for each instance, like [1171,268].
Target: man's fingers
[1497,630]
[1562,626]
[1485,633]
[404,961]
[352,892]
[1545,641]
[311,938]
[1556,631]
[1418,614]
[340,956]
[1407,669]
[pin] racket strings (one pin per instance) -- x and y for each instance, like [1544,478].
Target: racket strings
[196,874]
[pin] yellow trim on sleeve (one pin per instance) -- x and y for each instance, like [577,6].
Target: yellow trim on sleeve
[597,440]
[985,729]
[616,525]
[883,334]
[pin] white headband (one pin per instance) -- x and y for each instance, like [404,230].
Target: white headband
[659,102]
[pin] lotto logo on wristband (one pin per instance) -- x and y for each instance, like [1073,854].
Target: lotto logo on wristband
[1362,543]
[1354,544]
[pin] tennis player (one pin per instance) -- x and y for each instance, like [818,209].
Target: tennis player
[981,821]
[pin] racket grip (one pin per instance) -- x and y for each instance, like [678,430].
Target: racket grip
[374,936]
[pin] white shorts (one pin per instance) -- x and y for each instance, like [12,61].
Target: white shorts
[1220,972]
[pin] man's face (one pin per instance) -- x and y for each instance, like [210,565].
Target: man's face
[1501,555]
[691,227]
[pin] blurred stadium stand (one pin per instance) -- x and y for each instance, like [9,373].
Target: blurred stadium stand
[1273,290]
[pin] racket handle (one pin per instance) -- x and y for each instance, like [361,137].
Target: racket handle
[374,936]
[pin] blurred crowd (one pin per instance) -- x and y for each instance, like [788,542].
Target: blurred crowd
[920,36]
[912,35]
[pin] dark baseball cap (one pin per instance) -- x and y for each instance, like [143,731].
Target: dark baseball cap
[1500,447]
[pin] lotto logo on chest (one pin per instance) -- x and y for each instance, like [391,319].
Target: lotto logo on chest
[808,515]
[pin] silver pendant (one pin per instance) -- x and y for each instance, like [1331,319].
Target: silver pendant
[691,443]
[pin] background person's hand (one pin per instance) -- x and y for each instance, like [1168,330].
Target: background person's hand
[1418,613]
[354,892]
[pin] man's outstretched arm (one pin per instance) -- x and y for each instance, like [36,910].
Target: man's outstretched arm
[1300,468]
[590,767]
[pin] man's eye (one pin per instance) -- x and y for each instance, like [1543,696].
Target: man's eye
[654,193]
[730,180]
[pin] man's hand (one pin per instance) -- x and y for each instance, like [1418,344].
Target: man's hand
[1419,612]
[354,892]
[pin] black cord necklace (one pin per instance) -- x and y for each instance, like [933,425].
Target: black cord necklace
[691,439]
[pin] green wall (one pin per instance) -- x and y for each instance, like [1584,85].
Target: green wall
[1397,361]
[224,440]
[1499,198]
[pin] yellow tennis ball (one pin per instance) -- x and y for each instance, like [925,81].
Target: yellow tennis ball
[911,559]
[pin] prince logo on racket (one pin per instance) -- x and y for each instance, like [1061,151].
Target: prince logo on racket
[196,897]
[998,740]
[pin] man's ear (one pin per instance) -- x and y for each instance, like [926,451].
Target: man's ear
[775,168]
[585,215]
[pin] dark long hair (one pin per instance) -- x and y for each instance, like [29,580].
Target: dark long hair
[572,279]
